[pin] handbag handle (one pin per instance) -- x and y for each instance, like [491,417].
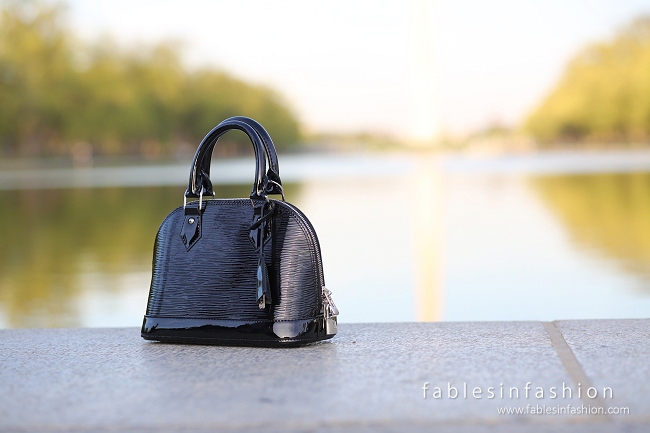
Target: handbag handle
[271,156]
[273,184]
[200,184]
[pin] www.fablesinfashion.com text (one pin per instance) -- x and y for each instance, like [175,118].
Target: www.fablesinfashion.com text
[569,409]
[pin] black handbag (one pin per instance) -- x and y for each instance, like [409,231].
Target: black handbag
[238,271]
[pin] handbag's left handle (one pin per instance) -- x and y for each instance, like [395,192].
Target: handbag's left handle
[199,183]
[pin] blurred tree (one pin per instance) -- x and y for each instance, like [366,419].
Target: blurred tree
[604,94]
[35,76]
[56,92]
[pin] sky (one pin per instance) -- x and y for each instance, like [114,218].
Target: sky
[413,69]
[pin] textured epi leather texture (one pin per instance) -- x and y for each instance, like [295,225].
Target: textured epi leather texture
[238,272]
[216,279]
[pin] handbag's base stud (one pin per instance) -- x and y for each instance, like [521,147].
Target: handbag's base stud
[331,326]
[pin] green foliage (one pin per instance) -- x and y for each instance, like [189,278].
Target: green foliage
[604,94]
[56,92]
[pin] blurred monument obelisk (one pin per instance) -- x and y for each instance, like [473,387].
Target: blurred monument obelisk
[427,192]
[424,118]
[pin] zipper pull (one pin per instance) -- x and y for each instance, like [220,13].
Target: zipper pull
[263,287]
[260,233]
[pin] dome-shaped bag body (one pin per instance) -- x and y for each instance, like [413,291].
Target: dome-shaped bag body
[238,271]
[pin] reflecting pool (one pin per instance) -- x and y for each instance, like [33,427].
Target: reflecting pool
[404,237]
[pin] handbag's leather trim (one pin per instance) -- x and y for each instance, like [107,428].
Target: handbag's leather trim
[279,333]
[191,228]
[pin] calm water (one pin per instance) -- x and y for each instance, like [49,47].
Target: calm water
[404,238]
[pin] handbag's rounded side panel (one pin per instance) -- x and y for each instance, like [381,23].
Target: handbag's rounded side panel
[217,277]
[297,284]
[158,274]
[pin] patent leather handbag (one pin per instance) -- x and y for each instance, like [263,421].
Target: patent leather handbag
[238,271]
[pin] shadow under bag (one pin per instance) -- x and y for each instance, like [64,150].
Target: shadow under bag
[238,271]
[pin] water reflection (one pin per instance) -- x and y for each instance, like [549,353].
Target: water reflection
[66,253]
[427,226]
[365,235]
[403,239]
[51,238]
[608,213]
[509,257]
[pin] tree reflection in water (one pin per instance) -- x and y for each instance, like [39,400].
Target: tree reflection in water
[609,213]
[61,246]
[50,238]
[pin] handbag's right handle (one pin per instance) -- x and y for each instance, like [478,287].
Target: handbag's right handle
[269,148]
[272,183]
[199,183]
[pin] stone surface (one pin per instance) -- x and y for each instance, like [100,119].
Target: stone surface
[615,353]
[368,378]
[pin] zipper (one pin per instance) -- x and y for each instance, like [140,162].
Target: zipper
[314,238]
[329,308]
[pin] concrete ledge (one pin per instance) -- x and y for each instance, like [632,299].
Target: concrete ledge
[368,378]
